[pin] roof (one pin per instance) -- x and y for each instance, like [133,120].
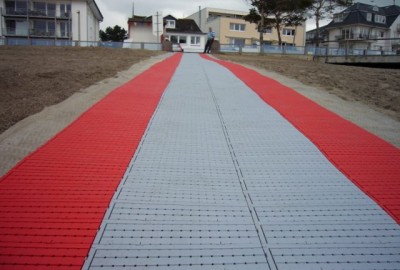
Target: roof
[392,12]
[182,25]
[357,14]
[95,8]
[227,11]
[141,19]
[185,26]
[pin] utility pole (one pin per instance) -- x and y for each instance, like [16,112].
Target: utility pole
[79,28]
[158,30]
[200,18]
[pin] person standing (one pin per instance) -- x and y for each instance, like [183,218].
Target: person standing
[210,40]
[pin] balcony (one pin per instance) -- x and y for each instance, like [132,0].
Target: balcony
[35,33]
[35,13]
[356,37]
[42,33]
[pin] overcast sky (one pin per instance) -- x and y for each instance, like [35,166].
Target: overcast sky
[117,12]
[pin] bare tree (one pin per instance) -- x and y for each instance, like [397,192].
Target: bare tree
[277,13]
[321,9]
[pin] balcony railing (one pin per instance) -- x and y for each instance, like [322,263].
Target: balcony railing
[36,13]
[355,36]
[38,33]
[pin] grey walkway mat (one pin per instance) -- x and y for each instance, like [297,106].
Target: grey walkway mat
[222,181]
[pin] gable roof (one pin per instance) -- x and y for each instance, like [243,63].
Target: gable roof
[95,9]
[392,12]
[185,26]
[181,26]
[357,14]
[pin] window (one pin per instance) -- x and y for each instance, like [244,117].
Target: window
[182,39]
[288,32]
[237,27]
[195,40]
[346,34]
[380,19]
[11,26]
[39,28]
[267,30]
[170,24]
[338,17]
[382,34]
[51,28]
[369,17]
[43,28]
[178,39]
[51,10]
[40,8]
[44,9]
[64,29]
[16,7]
[65,10]
[364,33]
[173,39]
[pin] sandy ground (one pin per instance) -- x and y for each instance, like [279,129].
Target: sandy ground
[30,133]
[32,78]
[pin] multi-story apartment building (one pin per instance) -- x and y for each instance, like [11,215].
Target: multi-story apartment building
[366,27]
[77,20]
[231,28]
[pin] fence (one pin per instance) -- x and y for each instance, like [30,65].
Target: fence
[292,50]
[225,48]
[60,42]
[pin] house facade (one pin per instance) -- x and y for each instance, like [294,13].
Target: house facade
[184,34]
[231,28]
[366,27]
[312,37]
[77,20]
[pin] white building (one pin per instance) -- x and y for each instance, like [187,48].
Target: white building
[75,20]
[183,33]
[366,27]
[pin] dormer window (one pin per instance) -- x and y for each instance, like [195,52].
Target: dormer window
[369,17]
[339,17]
[380,19]
[170,24]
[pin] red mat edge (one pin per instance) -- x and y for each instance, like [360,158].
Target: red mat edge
[77,119]
[388,207]
[174,60]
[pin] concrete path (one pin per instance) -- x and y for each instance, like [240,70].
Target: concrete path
[222,181]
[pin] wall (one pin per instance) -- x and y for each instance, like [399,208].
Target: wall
[204,15]
[221,26]
[141,33]
[2,21]
[79,21]
[89,25]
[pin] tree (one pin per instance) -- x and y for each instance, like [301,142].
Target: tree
[277,13]
[116,34]
[320,9]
